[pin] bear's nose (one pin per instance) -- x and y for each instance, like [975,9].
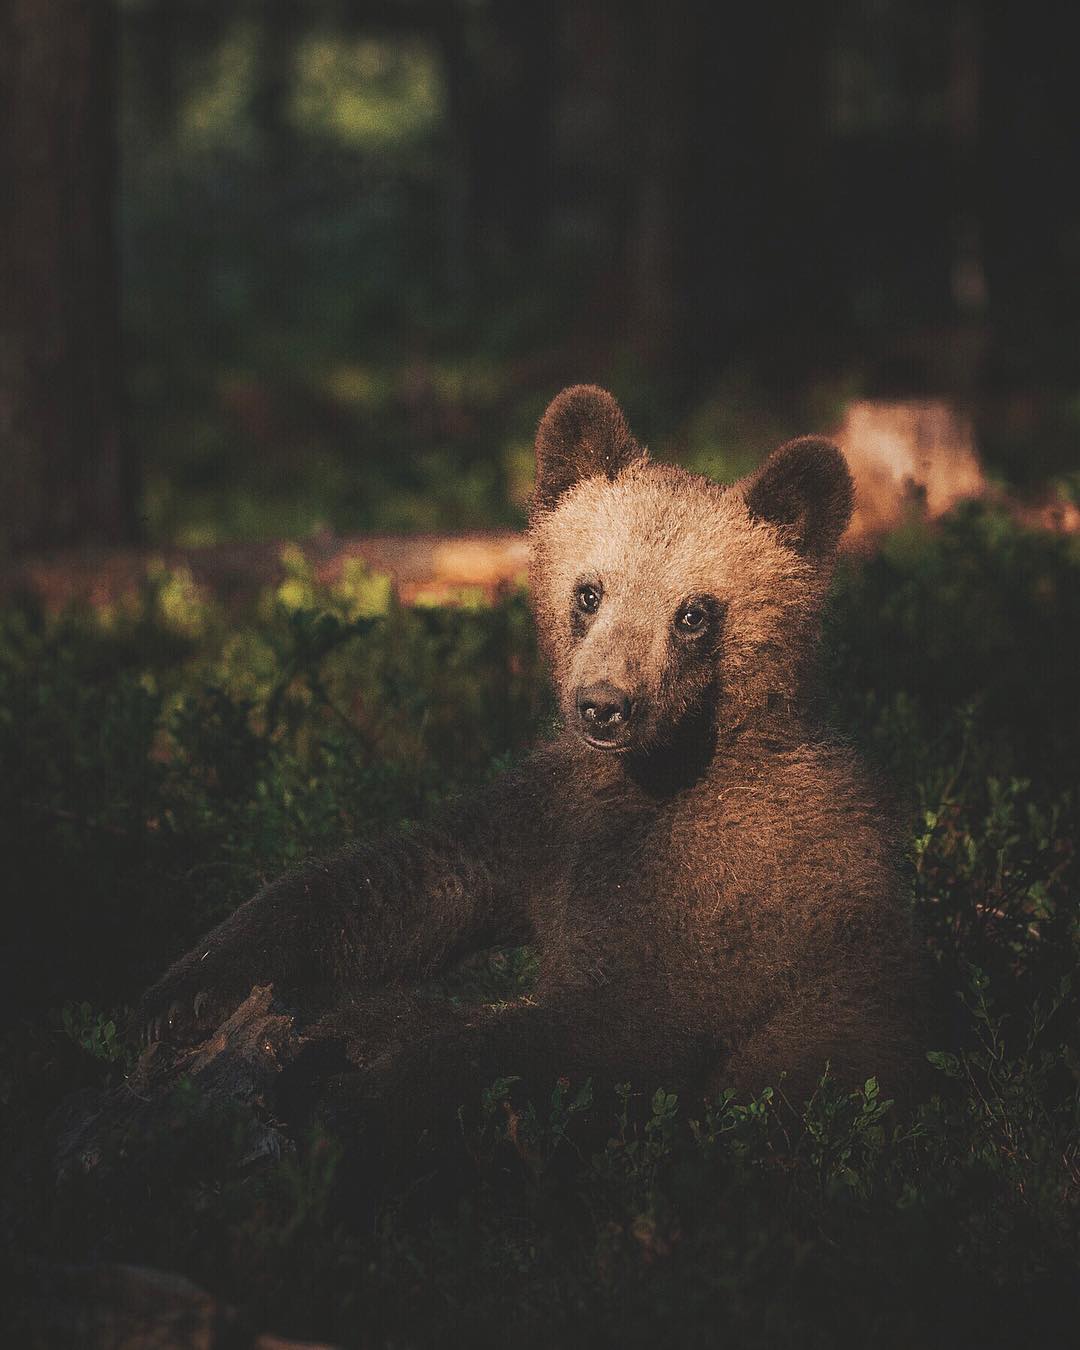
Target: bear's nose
[604,710]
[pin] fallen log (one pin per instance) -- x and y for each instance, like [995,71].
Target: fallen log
[421,567]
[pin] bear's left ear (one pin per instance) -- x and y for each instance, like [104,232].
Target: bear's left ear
[583,434]
[805,490]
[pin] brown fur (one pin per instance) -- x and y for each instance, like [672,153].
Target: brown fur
[712,892]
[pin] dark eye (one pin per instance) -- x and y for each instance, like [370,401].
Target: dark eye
[588,599]
[691,618]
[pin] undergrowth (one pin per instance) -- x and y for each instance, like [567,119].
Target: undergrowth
[164,757]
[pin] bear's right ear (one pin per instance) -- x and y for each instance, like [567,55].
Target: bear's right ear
[583,434]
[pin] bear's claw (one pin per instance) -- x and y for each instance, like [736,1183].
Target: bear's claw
[183,1021]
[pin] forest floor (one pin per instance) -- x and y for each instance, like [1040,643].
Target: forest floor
[169,748]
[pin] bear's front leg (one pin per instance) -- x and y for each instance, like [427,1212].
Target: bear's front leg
[263,942]
[398,911]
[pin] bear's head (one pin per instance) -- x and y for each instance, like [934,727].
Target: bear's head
[664,599]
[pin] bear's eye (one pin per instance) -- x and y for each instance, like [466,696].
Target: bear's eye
[691,618]
[588,599]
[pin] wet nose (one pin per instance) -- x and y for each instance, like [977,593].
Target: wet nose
[604,709]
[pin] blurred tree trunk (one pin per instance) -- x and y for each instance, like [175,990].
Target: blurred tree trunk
[280,31]
[500,73]
[1029,190]
[64,475]
[651,47]
[760,263]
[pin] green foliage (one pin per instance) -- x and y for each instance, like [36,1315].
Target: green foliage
[535,1136]
[845,1134]
[1018,1094]
[159,777]
[635,1154]
[95,1033]
[165,757]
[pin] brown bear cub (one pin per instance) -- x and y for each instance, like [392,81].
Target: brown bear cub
[708,880]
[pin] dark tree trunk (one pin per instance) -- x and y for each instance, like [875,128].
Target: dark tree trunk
[759,263]
[1030,190]
[500,69]
[661,42]
[64,474]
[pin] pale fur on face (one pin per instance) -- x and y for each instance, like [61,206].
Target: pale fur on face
[652,538]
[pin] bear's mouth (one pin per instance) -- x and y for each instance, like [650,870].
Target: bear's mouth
[619,747]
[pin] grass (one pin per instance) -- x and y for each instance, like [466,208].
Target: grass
[163,759]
